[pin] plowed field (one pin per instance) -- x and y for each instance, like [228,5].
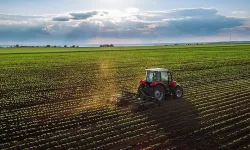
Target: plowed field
[67,98]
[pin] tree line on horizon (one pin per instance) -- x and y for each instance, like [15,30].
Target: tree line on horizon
[17,45]
[73,46]
[107,45]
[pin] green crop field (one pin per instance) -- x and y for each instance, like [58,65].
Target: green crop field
[67,98]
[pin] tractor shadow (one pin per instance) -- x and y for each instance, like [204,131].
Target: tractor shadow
[177,119]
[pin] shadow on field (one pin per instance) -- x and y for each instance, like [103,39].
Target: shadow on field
[177,119]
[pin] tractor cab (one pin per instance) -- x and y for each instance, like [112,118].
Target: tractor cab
[158,83]
[158,75]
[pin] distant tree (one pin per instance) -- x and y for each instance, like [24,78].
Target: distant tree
[65,46]
[73,46]
[55,46]
[17,45]
[48,46]
[107,45]
[77,46]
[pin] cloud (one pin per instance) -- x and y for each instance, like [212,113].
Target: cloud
[238,30]
[77,16]
[167,25]
[193,12]
[61,18]
[22,32]
[19,17]
[240,13]
[200,26]
[178,14]
[83,16]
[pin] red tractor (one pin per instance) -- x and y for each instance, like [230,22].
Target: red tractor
[158,83]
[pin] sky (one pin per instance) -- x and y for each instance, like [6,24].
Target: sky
[59,22]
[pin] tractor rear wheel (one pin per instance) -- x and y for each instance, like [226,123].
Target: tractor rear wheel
[178,92]
[158,92]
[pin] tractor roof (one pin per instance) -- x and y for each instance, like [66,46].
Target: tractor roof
[157,69]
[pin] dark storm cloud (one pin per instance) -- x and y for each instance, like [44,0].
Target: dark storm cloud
[61,18]
[83,16]
[76,16]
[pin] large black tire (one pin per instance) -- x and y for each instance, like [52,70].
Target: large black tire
[139,93]
[158,92]
[178,92]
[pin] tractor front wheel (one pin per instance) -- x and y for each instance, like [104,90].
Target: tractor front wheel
[158,93]
[178,92]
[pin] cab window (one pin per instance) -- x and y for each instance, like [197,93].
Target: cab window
[164,76]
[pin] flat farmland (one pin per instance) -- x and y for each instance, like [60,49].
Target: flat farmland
[66,98]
